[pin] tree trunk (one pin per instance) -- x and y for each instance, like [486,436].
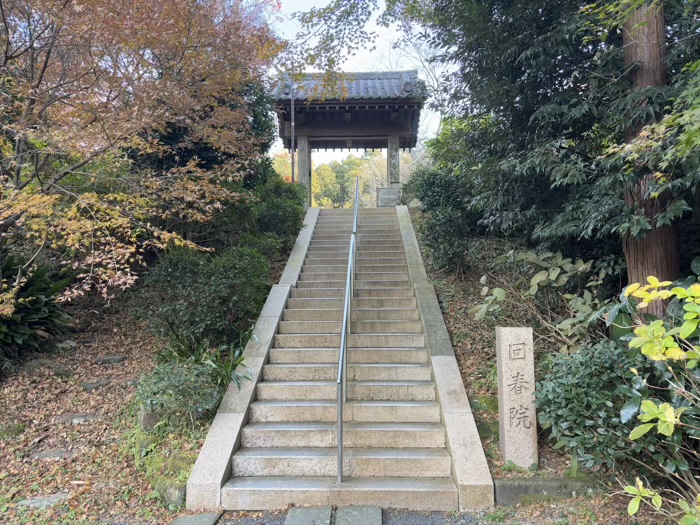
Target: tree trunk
[656,252]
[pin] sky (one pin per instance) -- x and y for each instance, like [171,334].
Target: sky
[383,57]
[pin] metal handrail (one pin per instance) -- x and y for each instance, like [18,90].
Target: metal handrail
[345,331]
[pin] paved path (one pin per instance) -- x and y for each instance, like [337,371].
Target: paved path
[389,517]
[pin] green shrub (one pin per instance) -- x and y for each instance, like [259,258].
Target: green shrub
[580,399]
[447,238]
[269,206]
[664,406]
[29,313]
[207,298]
[180,393]
[449,220]
[269,244]
[280,208]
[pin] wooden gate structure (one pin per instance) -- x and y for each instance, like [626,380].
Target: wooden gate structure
[356,111]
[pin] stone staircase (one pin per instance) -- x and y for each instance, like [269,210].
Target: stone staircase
[395,451]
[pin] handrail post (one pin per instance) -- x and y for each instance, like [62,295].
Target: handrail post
[342,380]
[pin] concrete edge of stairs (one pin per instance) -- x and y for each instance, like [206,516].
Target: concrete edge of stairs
[213,466]
[470,470]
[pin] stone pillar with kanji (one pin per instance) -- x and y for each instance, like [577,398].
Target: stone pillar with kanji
[516,396]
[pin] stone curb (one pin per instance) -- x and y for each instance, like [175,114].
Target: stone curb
[213,466]
[511,491]
[209,518]
[470,470]
[292,270]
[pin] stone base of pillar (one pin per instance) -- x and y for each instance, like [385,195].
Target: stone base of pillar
[388,197]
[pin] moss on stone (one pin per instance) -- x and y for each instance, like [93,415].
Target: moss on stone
[180,464]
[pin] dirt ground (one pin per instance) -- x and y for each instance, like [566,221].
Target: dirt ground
[63,428]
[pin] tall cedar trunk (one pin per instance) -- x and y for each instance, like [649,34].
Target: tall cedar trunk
[656,252]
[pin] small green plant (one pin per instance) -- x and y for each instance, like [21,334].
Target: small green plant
[182,393]
[497,516]
[509,466]
[226,361]
[228,364]
[573,470]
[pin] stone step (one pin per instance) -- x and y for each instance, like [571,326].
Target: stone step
[359,267]
[337,285]
[361,250]
[355,355]
[361,212]
[360,236]
[354,341]
[361,228]
[357,390]
[386,327]
[359,257]
[359,285]
[344,245]
[359,372]
[360,243]
[362,254]
[317,256]
[361,222]
[359,276]
[369,462]
[358,314]
[342,259]
[309,411]
[357,327]
[357,303]
[369,219]
[361,293]
[350,215]
[373,435]
[272,493]
[380,268]
[364,213]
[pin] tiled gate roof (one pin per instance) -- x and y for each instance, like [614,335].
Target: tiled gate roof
[386,85]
